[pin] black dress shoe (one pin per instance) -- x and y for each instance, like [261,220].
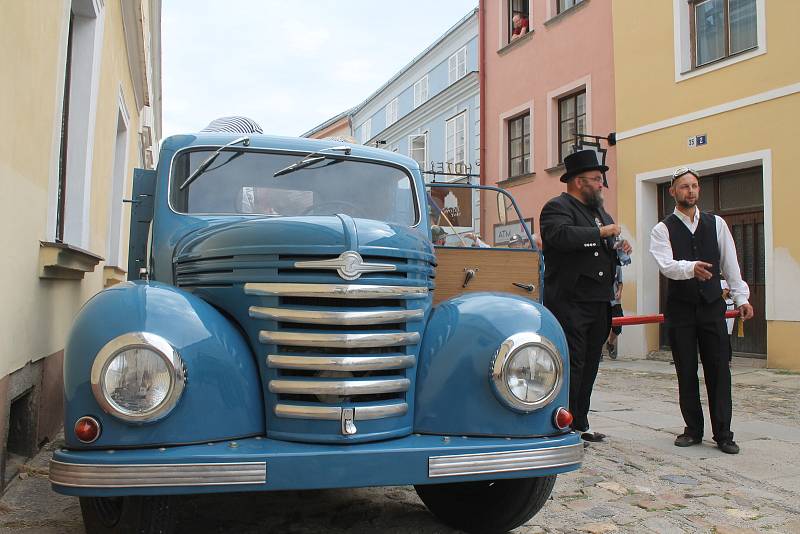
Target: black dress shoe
[594,437]
[685,440]
[728,446]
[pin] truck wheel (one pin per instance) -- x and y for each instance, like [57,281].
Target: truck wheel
[487,506]
[129,515]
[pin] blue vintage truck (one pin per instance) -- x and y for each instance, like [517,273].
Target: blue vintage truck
[288,323]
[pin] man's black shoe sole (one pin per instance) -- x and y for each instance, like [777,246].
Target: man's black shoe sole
[729,449]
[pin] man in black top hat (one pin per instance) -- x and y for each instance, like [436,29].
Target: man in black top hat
[578,241]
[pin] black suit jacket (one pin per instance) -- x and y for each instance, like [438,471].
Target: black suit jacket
[579,264]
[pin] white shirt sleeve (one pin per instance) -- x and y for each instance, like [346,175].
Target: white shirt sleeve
[661,249]
[729,264]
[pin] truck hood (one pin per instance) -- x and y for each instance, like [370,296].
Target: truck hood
[318,235]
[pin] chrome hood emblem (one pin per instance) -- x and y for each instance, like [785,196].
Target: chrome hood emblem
[350,265]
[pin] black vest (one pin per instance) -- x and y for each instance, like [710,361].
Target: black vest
[700,246]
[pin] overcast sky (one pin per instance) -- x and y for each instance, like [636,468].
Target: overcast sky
[288,65]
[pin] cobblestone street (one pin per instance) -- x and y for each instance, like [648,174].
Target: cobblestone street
[636,482]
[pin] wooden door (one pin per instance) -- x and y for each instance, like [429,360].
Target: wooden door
[748,235]
[738,198]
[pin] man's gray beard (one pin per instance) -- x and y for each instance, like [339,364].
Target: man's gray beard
[595,200]
[686,205]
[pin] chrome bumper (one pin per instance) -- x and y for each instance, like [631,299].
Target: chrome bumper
[156,475]
[243,466]
[504,462]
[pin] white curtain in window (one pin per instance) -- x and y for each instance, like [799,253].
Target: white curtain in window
[456,139]
[421,91]
[742,17]
[566,4]
[418,150]
[366,131]
[710,30]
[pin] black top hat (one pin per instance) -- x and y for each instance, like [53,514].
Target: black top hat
[583,160]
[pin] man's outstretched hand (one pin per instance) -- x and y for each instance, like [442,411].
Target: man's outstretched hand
[701,271]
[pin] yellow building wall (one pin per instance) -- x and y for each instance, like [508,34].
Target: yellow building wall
[37,313]
[647,92]
[644,63]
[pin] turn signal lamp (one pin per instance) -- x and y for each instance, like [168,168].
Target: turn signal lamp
[87,429]
[562,418]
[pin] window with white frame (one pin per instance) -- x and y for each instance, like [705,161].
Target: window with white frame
[714,34]
[418,148]
[366,131]
[114,242]
[563,5]
[518,19]
[391,112]
[721,28]
[457,66]
[421,91]
[571,120]
[519,145]
[456,141]
[69,210]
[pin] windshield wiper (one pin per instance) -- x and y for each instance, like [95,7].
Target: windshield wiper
[311,159]
[210,159]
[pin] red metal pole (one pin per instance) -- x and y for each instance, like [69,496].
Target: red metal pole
[658,318]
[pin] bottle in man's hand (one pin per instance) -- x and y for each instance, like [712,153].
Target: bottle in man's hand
[622,256]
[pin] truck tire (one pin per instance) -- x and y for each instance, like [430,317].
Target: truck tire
[129,515]
[489,506]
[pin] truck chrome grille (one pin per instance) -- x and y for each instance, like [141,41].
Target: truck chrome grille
[338,350]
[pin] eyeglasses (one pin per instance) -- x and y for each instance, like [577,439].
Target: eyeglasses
[684,170]
[595,179]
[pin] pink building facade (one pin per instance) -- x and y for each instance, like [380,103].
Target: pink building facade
[547,71]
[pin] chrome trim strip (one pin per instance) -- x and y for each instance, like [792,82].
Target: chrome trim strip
[364,413]
[349,265]
[341,363]
[503,462]
[152,475]
[335,317]
[337,291]
[313,339]
[340,387]
[334,413]
[132,340]
[293,411]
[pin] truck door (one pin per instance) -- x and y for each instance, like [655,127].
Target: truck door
[482,242]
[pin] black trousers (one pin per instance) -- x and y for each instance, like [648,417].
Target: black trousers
[586,325]
[691,326]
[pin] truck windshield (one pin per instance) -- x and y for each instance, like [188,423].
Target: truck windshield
[242,182]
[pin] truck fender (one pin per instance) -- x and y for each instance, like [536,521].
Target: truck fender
[454,390]
[222,397]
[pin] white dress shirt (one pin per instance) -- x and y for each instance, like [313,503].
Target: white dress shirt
[661,249]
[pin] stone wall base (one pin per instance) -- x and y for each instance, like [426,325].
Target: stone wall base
[31,411]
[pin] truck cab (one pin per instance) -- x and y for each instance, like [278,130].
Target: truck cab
[290,323]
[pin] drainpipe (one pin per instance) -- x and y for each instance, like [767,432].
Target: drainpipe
[482,99]
[482,84]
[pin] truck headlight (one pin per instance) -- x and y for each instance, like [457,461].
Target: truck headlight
[527,372]
[138,377]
